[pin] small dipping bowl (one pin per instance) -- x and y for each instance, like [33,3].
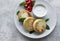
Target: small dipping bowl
[39,10]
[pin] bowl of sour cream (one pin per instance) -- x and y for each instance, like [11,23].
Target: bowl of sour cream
[40,10]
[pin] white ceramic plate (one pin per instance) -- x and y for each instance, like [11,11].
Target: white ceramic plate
[52,22]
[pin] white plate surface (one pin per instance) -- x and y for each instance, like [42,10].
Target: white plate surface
[52,22]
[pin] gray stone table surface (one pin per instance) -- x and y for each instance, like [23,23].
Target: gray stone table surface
[8,31]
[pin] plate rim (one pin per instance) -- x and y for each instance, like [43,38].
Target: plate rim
[37,37]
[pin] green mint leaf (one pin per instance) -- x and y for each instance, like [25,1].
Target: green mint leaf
[47,27]
[22,20]
[18,12]
[22,4]
[31,32]
[46,19]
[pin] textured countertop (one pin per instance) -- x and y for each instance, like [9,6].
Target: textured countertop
[8,31]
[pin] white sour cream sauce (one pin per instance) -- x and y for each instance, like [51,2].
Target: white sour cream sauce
[40,11]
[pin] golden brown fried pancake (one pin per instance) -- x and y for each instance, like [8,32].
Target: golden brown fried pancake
[28,23]
[24,14]
[39,25]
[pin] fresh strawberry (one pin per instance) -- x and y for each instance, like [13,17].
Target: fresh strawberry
[29,8]
[29,2]
[29,5]
[26,0]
